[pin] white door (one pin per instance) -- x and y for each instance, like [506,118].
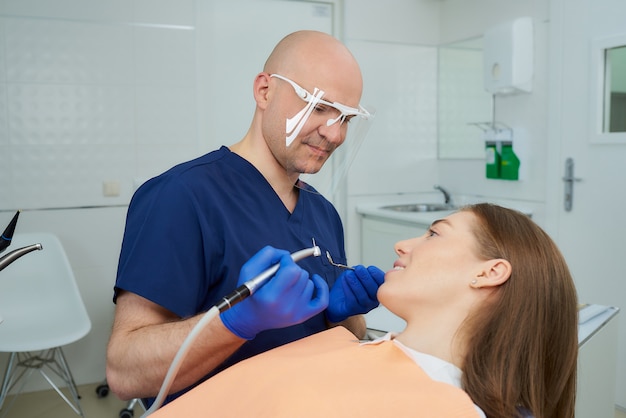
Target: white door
[592,235]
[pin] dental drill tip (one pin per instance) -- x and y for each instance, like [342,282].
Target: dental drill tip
[316,250]
[332,263]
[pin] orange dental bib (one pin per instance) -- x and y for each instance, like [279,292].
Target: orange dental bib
[325,375]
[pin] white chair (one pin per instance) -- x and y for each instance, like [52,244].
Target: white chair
[42,311]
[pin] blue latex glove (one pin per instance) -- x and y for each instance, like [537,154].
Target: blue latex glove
[354,293]
[288,298]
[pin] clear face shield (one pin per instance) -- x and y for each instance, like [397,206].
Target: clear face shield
[357,121]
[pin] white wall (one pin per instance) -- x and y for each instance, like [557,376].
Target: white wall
[526,114]
[399,65]
[92,95]
[116,92]
[91,92]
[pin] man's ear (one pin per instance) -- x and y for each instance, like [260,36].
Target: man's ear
[494,273]
[261,89]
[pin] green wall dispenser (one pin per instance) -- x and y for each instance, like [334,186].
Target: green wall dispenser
[500,159]
[492,160]
[509,163]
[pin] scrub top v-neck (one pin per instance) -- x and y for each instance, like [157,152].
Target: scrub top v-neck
[217,211]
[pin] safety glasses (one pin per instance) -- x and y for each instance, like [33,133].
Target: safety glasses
[335,112]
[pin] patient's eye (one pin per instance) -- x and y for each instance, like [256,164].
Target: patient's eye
[431,232]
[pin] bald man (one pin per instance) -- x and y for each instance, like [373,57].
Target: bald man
[190,233]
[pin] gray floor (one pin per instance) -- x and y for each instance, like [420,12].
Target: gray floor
[48,404]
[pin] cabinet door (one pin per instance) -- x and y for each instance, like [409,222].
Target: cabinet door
[377,240]
[595,390]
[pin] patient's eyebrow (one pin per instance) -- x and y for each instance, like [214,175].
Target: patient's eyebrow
[442,221]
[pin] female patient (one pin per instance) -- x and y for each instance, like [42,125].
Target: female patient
[490,307]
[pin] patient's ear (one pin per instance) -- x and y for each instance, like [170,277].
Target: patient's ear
[495,272]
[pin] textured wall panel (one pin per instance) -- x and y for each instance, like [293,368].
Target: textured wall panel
[170,12]
[462,102]
[166,122]
[90,99]
[92,10]
[45,51]
[5,168]
[400,80]
[68,175]
[67,114]
[4,124]
[2,52]
[165,56]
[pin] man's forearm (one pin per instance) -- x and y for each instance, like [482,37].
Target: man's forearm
[138,359]
[355,324]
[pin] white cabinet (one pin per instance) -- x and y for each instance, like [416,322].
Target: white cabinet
[597,359]
[378,237]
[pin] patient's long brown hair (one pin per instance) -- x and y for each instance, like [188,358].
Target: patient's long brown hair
[523,346]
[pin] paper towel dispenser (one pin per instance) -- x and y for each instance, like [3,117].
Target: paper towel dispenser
[508,57]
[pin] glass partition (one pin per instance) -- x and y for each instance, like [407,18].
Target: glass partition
[462,100]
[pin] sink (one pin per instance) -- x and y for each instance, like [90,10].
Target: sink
[420,207]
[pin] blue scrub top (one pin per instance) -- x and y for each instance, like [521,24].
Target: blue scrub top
[189,231]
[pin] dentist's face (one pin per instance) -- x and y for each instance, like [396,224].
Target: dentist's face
[307,149]
[306,71]
[434,268]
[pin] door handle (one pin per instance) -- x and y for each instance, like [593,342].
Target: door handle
[569,180]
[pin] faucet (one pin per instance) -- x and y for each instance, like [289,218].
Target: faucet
[446,195]
[15,254]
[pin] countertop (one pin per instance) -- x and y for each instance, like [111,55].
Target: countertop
[593,317]
[421,218]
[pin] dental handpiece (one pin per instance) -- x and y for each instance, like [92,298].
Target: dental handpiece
[226,303]
[15,254]
[252,285]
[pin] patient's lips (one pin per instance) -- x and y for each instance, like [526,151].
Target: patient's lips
[396,267]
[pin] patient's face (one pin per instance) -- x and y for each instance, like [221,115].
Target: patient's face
[434,268]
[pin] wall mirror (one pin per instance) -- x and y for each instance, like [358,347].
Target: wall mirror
[608,90]
[461,100]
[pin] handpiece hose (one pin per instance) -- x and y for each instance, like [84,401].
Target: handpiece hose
[239,294]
